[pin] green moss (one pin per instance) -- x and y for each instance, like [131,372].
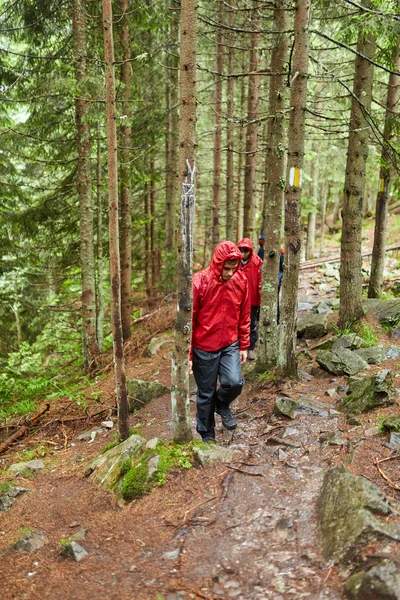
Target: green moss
[4,487]
[135,482]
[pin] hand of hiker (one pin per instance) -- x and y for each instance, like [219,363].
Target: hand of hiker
[243,356]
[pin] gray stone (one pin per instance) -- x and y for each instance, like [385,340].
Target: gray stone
[30,541]
[372,431]
[381,582]
[392,352]
[153,443]
[158,341]
[8,495]
[141,393]
[286,407]
[324,307]
[108,468]
[368,393]
[152,466]
[89,435]
[212,454]
[347,514]
[32,465]
[374,355]
[72,549]
[172,555]
[342,389]
[395,333]
[341,361]
[394,439]
[301,306]
[388,310]
[312,326]
[304,375]
[289,407]
[351,341]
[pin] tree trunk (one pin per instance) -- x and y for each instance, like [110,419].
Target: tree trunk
[382,199]
[217,130]
[230,214]
[187,145]
[147,256]
[323,213]
[89,341]
[100,266]
[293,234]
[116,323]
[312,216]
[239,204]
[357,153]
[153,254]
[252,127]
[172,178]
[275,161]
[125,172]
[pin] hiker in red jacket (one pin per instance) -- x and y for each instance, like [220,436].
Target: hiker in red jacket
[251,268]
[220,337]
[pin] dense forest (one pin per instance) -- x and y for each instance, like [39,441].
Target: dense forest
[290,114]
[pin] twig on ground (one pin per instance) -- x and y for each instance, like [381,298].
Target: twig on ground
[23,430]
[383,474]
[196,506]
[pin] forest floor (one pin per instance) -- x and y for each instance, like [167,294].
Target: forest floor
[245,530]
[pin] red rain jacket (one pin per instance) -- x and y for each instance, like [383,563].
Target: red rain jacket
[221,309]
[252,271]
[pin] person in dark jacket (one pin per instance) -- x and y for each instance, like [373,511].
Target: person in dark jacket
[251,267]
[261,242]
[220,337]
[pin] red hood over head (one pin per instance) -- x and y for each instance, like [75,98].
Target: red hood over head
[223,252]
[246,243]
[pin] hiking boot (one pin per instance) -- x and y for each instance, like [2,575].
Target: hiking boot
[251,355]
[208,438]
[228,420]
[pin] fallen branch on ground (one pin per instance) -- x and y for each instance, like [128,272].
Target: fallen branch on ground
[23,430]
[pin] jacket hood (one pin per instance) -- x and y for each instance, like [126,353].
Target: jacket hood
[246,243]
[223,252]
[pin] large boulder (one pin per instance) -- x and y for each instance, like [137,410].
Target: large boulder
[210,454]
[341,361]
[289,407]
[382,582]
[108,468]
[368,393]
[142,392]
[348,510]
[374,355]
[388,310]
[311,326]
[351,341]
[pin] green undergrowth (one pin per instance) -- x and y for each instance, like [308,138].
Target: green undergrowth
[172,457]
[363,329]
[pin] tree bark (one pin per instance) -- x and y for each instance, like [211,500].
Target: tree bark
[252,127]
[100,266]
[293,235]
[239,203]
[312,216]
[322,205]
[187,146]
[230,214]
[89,340]
[125,173]
[385,174]
[217,129]
[275,161]
[357,153]
[116,323]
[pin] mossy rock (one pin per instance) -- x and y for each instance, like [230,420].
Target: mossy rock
[341,361]
[391,423]
[348,510]
[110,466]
[369,393]
[141,393]
[380,582]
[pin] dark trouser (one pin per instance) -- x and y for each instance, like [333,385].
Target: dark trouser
[207,367]
[254,316]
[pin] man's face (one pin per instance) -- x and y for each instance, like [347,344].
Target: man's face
[228,270]
[245,252]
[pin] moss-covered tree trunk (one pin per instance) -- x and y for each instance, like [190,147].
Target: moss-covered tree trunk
[385,174]
[187,145]
[230,212]
[89,338]
[275,160]
[357,153]
[287,360]
[116,324]
[100,259]
[125,172]
[217,150]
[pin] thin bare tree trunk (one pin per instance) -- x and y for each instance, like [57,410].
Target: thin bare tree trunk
[217,130]
[252,127]
[172,177]
[147,257]
[90,348]
[312,216]
[230,213]
[275,161]
[239,206]
[153,255]
[100,266]
[323,213]
[385,174]
[125,172]
[187,145]
[293,235]
[351,262]
[116,323]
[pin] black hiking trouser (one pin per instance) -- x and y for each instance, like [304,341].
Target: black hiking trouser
[207,368]
[254,317]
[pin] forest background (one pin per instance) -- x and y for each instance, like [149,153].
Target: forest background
[55,320]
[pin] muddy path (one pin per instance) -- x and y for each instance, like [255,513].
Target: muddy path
[245,530]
